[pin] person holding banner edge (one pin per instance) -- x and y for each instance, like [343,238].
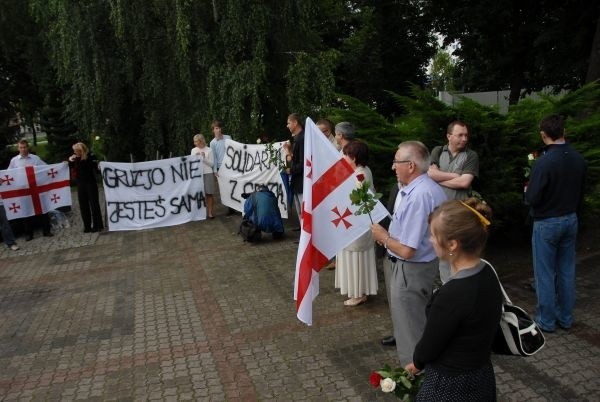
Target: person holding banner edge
[7,234]
[207,171]
[24,159]
[86,167]
[217,146]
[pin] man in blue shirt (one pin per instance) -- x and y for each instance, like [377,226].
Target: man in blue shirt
[217,146]
[555,192]
[410,255]
[262,208]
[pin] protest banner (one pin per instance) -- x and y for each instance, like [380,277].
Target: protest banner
[34,190]
[244,168]
[153,194]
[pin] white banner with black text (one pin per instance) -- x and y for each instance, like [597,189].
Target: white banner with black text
[153,194]
[244,168]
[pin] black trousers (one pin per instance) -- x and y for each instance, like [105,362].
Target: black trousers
[30,222]
[89,205]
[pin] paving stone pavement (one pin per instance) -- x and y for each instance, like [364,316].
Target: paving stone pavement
[191,312]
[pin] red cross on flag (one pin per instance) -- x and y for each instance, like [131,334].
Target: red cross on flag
[34,190]
[328,220]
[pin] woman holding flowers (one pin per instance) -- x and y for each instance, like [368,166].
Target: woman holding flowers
[463,315]
[355,273]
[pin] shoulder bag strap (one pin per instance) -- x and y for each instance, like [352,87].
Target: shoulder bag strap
[506,299]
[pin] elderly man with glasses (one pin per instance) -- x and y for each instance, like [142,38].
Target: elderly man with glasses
[410,255]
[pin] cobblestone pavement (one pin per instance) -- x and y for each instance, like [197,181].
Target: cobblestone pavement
[191,312]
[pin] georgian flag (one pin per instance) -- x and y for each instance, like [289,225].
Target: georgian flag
[328,220]
[34,190]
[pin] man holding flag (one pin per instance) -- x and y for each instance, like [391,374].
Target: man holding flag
[328,220]
[409,253]
[24,159]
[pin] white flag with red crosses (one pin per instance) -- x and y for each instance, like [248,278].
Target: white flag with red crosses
[34,190]
[328,220]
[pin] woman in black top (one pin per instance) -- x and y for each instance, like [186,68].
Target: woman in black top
[86,168]
[463,315]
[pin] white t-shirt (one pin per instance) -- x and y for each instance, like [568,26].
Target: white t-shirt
[208,162]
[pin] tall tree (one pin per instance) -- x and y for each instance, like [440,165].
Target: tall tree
[442,71]
[146,75]
[385,46]
[519,45]
[21,61]
[593,72]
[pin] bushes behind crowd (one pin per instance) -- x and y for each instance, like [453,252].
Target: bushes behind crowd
[503,143]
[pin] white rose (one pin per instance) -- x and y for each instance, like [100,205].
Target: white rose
[97,138]
[387,385]
[258,141]
[530,157]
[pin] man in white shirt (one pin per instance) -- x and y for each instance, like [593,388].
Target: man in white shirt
[25,158]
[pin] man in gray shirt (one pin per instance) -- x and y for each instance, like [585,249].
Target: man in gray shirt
[455,166]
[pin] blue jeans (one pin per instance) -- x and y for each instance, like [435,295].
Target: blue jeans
[7,233]
[553,243]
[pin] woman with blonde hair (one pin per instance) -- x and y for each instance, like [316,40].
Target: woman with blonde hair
[207,171]
[86,167]
[463,315]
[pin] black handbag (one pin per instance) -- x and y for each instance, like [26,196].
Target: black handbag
[517,333]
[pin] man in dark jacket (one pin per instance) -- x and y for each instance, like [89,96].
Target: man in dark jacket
[555,193]
[294,124]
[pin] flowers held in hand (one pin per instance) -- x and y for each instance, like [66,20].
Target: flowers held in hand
[531,158]
[258,141]
[388,385]
[399,381]
[362,197]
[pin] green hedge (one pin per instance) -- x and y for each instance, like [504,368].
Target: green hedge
[502,142]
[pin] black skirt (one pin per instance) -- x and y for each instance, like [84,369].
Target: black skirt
[476,385]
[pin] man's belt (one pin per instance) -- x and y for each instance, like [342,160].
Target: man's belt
[393,258]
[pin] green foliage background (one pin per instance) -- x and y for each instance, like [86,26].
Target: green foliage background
[501,141]
[136,79]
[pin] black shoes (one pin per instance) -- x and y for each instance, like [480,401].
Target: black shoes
[388,341]
[29,237]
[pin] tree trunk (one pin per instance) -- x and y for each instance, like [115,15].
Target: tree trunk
[516,84]
[593,72]
[215,14]
[34,132]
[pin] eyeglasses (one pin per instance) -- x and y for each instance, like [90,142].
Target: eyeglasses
[397,161]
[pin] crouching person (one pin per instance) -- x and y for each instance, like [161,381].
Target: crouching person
[262,209]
